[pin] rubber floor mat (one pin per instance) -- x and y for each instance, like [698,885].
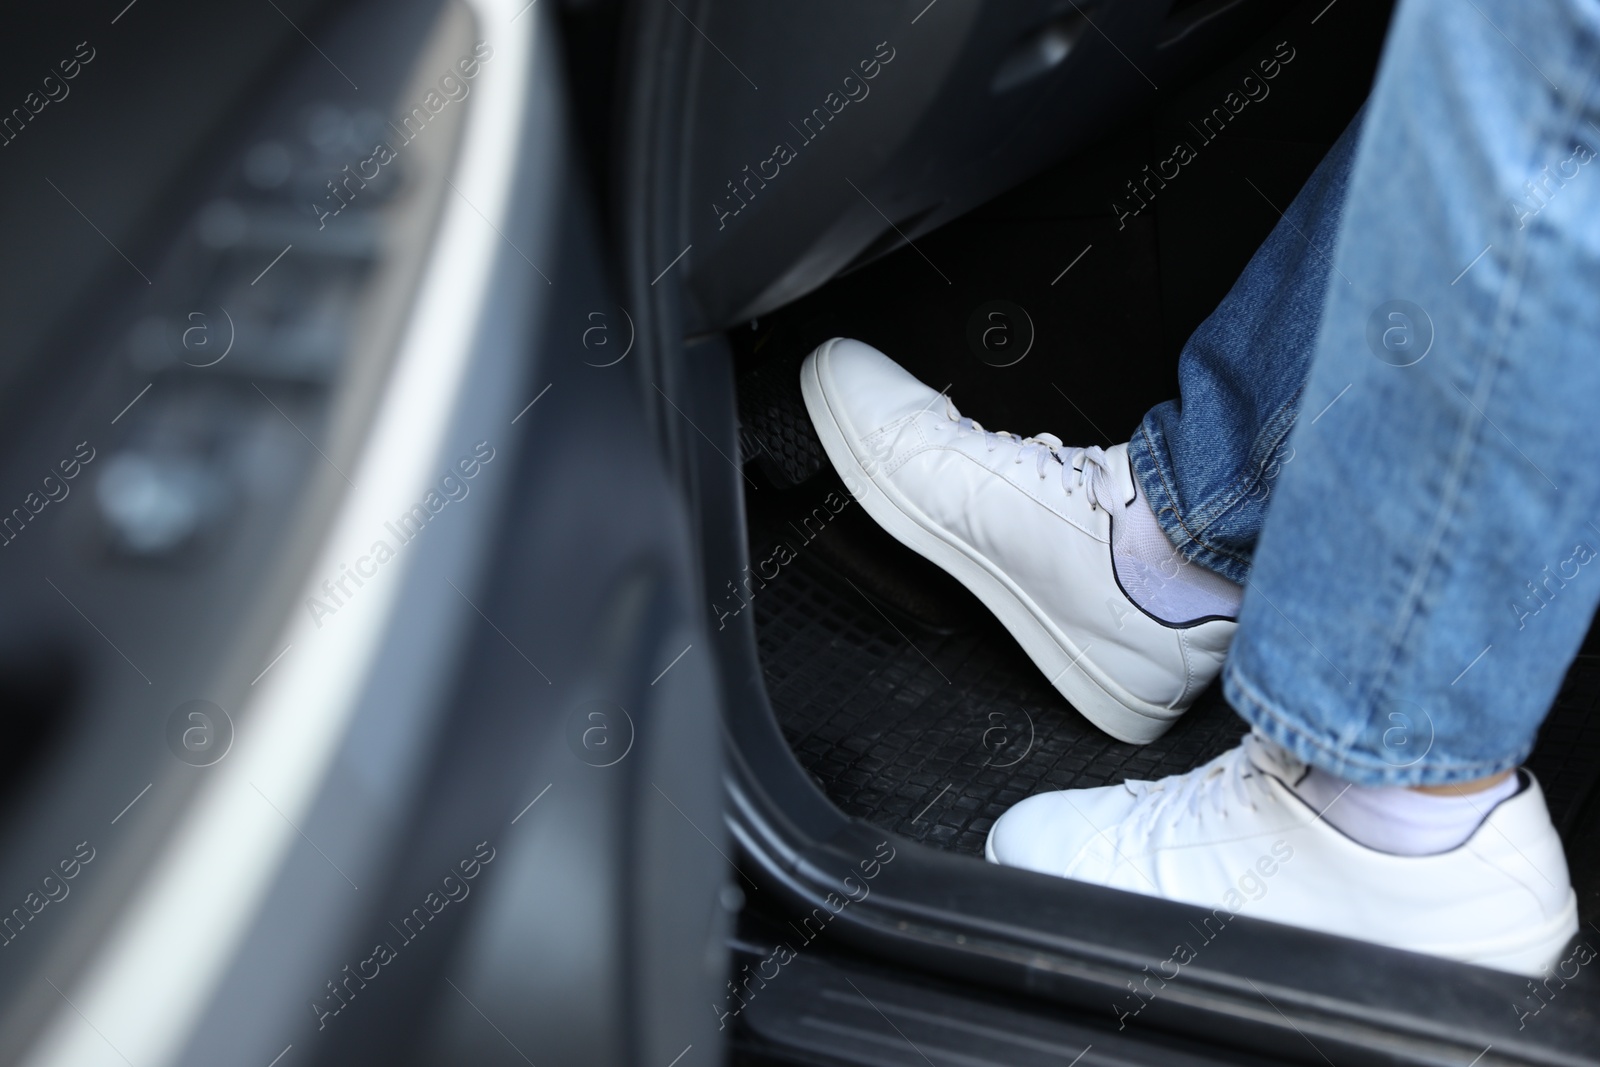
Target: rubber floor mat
[934,736]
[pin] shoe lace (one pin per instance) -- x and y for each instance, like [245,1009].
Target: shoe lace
[1089,468]
[1226,783]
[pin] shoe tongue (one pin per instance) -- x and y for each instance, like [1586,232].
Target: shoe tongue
[1118,477]
[1271,758]
[1126,482]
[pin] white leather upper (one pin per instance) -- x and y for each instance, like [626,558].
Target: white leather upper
[986,493]
[1266,853]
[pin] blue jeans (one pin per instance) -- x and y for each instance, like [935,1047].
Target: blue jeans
[1388,429]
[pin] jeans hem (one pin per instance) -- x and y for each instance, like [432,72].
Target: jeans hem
[1357,766]
[1155,477]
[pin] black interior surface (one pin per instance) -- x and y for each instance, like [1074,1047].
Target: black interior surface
[966,100]
[900,695]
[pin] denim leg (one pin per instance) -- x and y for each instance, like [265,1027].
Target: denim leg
[1426,571]
[1206,462]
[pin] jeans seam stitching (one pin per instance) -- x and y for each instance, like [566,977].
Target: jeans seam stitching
[1241,491]
[1192,534]
[1171,504]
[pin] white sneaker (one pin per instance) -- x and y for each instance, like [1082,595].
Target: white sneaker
[1232,836]
[1025,524]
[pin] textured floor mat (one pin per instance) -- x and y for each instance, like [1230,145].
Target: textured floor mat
[935,735]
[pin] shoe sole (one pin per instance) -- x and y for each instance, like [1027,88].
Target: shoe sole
[1095,696]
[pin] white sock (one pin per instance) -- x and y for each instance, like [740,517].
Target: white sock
[1161,581]
[1397,820]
